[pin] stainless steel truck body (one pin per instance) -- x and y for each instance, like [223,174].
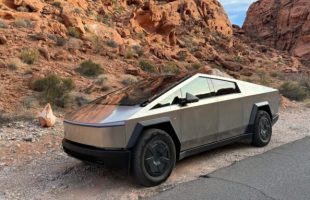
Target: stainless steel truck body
[151,125]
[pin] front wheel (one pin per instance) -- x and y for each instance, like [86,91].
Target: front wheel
[154,157]
[262,129]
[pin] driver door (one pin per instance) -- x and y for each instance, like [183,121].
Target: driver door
[199,121]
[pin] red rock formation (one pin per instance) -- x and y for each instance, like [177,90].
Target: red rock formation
[283,24]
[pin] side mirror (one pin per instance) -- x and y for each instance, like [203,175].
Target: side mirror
[191,98]
[188,99]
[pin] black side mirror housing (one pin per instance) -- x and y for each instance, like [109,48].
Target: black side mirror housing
[188,99]
[191,98]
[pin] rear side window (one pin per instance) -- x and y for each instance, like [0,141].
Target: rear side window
[224,87]
[198,87]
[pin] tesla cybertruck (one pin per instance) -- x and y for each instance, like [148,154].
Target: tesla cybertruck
[148,126]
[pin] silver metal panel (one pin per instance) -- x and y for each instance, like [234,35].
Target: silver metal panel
[230,116]
[172,112]
[103,137]
[199,124]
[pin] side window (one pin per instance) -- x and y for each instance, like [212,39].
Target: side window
[170,100]
[198,87]
[224,87]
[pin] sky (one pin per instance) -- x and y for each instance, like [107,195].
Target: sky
[236,9]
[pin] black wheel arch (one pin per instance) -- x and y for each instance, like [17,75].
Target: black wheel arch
[162,124]
[256,107]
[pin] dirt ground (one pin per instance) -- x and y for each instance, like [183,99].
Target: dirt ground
[33,166]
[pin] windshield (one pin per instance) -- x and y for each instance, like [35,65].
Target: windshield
[141,93]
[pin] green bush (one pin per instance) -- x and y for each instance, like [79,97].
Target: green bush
[147,66]
[196,66]
[103,78]
[111,43]
[54,89]
[74,32]
[293,91]
[56,4]
[128,79]
[60,41]
[22,9]
[305,83]
[129,53]
[171,68]
[182,55]
[138,50]
[29,55]
[23,23]
[274,74]
[89,68]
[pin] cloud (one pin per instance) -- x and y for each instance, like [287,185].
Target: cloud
[236,9]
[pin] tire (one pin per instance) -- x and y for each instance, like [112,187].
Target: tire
[154,157]
[262,129]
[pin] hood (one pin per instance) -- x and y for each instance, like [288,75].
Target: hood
[101,114]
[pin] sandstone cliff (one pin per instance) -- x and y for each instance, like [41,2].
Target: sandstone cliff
[283,24]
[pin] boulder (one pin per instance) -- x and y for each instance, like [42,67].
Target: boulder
[44,52]
[3,40]
[47,117]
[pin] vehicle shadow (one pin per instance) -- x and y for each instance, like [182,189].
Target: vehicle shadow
[119,182]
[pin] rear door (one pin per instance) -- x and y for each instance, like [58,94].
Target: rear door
[230,112]
[199,121]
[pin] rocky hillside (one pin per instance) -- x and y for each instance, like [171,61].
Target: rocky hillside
[94,47]
[282,24]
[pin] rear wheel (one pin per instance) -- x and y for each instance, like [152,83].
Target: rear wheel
[262,129]
[154,157]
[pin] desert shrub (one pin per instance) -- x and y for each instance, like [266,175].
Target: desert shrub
[263,78]
[129,53]
[56,4]
[305,83]
[293,91]
[29,55]
[89,68]
[147,66]
[111,43]
[182,55]
[15,63]
[96,43]
[77,11]
[23,23]
[60,41]
[2,24]
[141,35]
[54,89]
[22,9]
[102,79]
[138,50]
[171,68]
[274,74]
[238,59]
[106,19]
[128,79]
[74,32]
[196,66]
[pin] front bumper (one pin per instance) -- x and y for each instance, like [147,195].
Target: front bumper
[109,158]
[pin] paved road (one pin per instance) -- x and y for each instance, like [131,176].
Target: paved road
[282,173]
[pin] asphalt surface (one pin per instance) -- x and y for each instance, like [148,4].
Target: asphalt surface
[282,173]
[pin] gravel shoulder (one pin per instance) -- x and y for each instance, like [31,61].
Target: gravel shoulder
[33,166]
